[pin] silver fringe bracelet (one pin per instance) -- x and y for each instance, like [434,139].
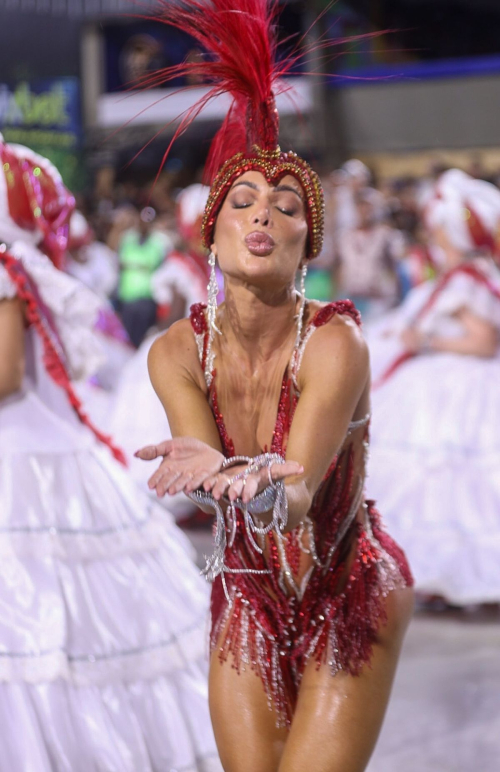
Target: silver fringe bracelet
[272,497]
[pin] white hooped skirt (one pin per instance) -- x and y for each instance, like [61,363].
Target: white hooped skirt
[103,615]
[435,472]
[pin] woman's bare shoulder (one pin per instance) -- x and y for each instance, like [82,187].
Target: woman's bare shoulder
[338,342]
[175,353]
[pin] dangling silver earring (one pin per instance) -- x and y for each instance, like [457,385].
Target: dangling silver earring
[303,275]
[302,292]
[213,291]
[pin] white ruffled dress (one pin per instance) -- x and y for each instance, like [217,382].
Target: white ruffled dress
[434,468]
[102,612]
[135,387]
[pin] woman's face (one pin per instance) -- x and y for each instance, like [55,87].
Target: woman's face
[261,232]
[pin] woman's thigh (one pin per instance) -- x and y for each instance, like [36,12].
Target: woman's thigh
[245,729]
[338,718]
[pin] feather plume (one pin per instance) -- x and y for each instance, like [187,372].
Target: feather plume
[239,38]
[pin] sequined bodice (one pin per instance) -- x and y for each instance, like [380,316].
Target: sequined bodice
[316,592]
[312,545]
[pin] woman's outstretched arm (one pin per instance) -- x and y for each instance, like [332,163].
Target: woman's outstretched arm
[194,455]
[11,346]
[480,338]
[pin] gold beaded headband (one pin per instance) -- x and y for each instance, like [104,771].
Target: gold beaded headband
[274,165]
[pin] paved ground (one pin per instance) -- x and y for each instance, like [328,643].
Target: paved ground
[444,715]
[445,712]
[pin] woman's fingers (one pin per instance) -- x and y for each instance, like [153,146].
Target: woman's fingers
[150,452]
[244,489]
[236,489]
[165,476]
[166,483]
[178,483]
[288,469]
[197,480]
[160,472]
[222,483]
[252,486]
[209,482]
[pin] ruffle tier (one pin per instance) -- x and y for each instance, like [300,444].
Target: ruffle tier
[138,726]
[434,471]
[97,584]
[61,493]
[129,617]
[103,614]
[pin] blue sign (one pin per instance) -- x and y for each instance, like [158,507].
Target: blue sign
[43,112]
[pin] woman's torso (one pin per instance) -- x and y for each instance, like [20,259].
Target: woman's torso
[338,503]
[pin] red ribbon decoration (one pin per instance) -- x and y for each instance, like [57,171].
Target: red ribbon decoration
[52,359]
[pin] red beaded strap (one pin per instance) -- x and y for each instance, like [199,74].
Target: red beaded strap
[198,319]
[341,307]
[199,324]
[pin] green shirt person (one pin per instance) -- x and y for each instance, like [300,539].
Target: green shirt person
[141,252]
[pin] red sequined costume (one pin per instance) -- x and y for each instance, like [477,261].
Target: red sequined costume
[323,598]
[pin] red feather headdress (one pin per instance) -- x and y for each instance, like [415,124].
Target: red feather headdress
[239,37]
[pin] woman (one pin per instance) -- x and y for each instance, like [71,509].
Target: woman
[102,613]
[317,607]
[435,448]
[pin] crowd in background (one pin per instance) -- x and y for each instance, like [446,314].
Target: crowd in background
[376,243]
[417,257]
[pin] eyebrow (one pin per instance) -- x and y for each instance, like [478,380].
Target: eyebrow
[277,189]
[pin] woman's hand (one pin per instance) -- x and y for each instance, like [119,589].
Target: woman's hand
[248,487]
[413,340]
[187,463]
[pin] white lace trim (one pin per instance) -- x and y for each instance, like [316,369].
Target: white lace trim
[298,354]
[145,663]
[74,308]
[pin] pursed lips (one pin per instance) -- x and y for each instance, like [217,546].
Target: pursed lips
[259,243]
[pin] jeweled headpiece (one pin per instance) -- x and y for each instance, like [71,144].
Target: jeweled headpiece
[35,206]
[240,41]
[467,210]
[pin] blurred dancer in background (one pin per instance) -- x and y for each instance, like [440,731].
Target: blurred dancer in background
[368,256]
[353,177]
[95,265]
[183,277]
[102,645]
[90,261]
[181,281]
[435,455]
